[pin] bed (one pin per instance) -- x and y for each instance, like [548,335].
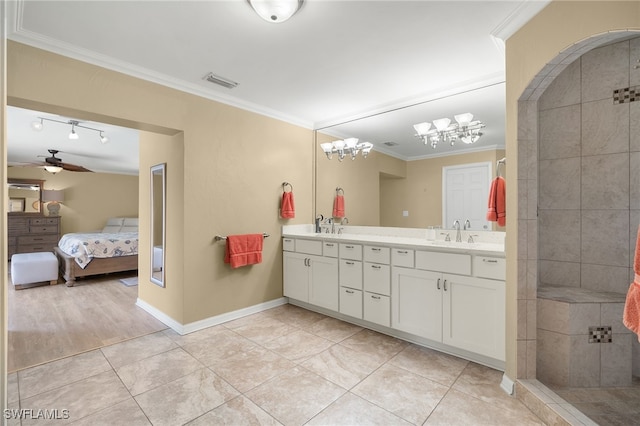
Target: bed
[114,249]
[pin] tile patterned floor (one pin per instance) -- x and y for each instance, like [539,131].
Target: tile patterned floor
[284,366]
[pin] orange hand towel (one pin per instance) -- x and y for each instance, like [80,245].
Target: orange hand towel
[287,209]
[338,206]
[497,211]
[631,315]
[243,250]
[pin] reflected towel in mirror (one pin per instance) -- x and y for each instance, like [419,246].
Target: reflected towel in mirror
[338,206]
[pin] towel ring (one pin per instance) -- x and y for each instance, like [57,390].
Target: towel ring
[284,185]
[338,189]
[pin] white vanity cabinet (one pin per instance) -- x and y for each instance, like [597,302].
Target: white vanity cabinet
[350,274]
[310,278]
[377,285]
[417,302]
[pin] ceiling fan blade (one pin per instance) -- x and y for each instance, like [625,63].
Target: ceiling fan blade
[73,168]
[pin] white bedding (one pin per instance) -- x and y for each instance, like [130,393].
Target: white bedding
[86,246]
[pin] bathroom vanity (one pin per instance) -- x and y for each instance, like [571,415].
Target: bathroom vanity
[446,295]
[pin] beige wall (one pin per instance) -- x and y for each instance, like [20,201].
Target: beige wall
[89,198]
[527,52]
[233,162]
[420,193]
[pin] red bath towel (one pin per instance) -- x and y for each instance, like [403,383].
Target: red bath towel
[243,250]
[287,209]
[497,211]
[338,206]
[631,315]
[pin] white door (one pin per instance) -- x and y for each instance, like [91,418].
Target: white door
[465,194]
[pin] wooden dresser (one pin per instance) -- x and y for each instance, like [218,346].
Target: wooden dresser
[29,234]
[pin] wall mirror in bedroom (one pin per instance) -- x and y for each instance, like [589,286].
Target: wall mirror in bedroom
[158,213]
[25,196]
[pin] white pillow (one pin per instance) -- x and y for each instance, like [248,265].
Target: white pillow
[130,224]
[113,225]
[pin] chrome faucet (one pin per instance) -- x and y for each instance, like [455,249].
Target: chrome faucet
[456,225]
[467,224]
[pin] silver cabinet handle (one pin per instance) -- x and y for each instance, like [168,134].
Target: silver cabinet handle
[329,244]
[490,260]
[445,285]
[376,266]
[375,249]
[349,263]
[373,296]
[348,247]
[402,252]
[350,291]
[438,284]
[287,240]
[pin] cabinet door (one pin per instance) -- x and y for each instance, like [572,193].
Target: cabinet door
[351,273]
[377,309]
[323,284]
[377,278]
[474,315]
[351,302]
[417,302]
[296,276]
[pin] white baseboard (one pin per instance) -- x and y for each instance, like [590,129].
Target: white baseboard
[183,329]
[507,384]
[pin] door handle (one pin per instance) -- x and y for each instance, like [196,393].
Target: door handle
[438,284]
[445,285]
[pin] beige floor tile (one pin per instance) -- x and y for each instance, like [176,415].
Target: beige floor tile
[298,345]
[247,370]
[401,392]
[196,336]
[81,398]
[295,396]
[157,370]
[12,387]
[125,413]
[218,345]
[341,365]
[238,411]
[295,316]
[352,410]
[458,408]
[186,398]
[434,365]
[378,346]
[247,320]
[333,329]
[264,330]
[136,349]
[45,377]
[484,383]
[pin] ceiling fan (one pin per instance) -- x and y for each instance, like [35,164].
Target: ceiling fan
[54,164]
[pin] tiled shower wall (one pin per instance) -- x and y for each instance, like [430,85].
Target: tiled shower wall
[578,178]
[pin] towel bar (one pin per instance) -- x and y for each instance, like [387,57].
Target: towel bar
[221,238]
[338,189]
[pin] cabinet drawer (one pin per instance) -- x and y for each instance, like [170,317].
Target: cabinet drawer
[377,309]
[377,278]
[38,221]
[444,262]
[489,267]
[330,249]
[402,257]
[288,244]
[351,302]
[351,251]
[377,254]
[309,247]
[51,240]
[16,225]
[44,229]
[34,248]
[350,273]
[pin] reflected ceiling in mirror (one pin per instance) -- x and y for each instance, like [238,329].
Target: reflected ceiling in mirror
[392,132]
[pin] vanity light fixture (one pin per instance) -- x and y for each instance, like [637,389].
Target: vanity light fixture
[73,135]
[275,11]
[464,129]
[349,146]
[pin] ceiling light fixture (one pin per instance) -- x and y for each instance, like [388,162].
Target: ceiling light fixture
[73,135]
[275,11]
[465,129]
[53,169]
[349,146]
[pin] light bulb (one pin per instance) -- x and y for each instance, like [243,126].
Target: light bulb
[37,125]
[73,135]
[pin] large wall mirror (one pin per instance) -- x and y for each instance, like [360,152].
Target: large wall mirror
[25,196]
[158,219]
[400,183]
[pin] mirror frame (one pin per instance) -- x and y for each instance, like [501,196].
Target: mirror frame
[155,210]
[39,183]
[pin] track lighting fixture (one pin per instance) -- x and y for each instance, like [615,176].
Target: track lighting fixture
[38,125]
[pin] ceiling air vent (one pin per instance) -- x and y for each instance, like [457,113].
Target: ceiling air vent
[390,143]
[212,78]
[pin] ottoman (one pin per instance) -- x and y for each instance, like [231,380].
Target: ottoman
[30,268]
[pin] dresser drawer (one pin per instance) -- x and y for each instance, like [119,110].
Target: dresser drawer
[43,229]
[17,226]
[377,278]
[351,302]
[330,249]
[444,262]
[377,309]
[377,254]
[402,257]
[51,240]
[34,248]
[350,273]
[489,267]
[351,251]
